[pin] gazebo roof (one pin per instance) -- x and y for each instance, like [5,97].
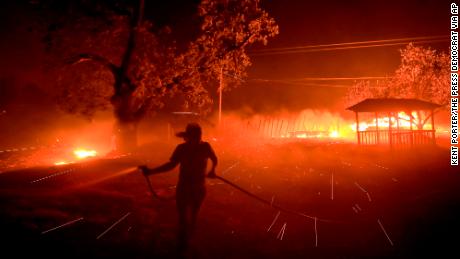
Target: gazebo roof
[392,105]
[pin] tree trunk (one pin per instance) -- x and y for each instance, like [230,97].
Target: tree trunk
[127,117]
[125,136]
[127,120]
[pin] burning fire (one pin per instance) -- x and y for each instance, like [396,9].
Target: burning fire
[83,153]
[79,154]
[403,120]
[61,163]
[326,126]
[334,134]
[308,124]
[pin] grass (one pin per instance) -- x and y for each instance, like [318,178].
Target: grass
[413,194]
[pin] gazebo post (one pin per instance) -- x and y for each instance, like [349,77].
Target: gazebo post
[357,128]
[397,129]
[399,135]
[390,140]
[411,131]
[433,135]
[377,126]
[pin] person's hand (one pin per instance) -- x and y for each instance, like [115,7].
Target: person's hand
[144,169]
[212,174]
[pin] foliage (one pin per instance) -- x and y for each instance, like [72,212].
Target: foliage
[98,67]
[423,74]
[227,29]
[362,90]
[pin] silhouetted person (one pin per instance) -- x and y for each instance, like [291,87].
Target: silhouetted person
[192,155]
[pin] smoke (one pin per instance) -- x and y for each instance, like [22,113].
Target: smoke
[284,125]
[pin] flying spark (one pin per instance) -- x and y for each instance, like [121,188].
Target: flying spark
[113,225]
[63,225]
[54,175]
[361,188]
[316,234]
[332,186]
[281,233]
[368,196]
[274,220]
[383,229]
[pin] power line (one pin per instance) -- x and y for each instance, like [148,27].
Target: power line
[341,48]
[307,50]
[297,83]
[310,84]
[341,78]
[355,43]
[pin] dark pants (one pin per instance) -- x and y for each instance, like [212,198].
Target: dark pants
[188,202]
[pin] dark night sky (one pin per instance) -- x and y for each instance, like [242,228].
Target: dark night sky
[301,23]
[325,22]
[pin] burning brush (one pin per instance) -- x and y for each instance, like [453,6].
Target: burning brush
[79,154]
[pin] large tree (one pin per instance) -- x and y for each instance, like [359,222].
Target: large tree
[109,56]
[423,74]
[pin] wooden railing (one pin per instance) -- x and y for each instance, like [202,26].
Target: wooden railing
[396,138]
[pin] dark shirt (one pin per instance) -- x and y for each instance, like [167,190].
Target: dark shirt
[193,158]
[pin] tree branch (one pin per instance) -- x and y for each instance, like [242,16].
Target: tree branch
[95,58]
[140,112]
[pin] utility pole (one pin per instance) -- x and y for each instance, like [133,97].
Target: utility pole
[221,86]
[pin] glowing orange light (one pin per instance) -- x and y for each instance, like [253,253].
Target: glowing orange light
[334,134]
[61,163]
[83,153]
[384,122]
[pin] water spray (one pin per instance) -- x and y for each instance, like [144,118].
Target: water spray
[143,168]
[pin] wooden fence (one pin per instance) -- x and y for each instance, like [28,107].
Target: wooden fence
[397,138]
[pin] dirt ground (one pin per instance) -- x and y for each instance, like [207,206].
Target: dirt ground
[345,202]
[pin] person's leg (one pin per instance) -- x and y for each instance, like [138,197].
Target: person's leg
[182,211]
[195,208]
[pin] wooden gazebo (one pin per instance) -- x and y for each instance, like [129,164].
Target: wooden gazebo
[392,133]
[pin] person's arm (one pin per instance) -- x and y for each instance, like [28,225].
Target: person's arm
[161,169]
[173,162]
[213,157]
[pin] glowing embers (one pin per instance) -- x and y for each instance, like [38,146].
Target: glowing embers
[83,153]
[313,134]
[307,134]
[61,163]
[78,154]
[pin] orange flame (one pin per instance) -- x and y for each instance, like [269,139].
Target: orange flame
[403,119]
[61,163]
[83,153]
[334,134]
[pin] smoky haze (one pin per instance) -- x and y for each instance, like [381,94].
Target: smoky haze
[27,109]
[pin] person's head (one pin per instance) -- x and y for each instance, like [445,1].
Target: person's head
[192,133]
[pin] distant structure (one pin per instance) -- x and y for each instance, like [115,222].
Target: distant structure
[397,122]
